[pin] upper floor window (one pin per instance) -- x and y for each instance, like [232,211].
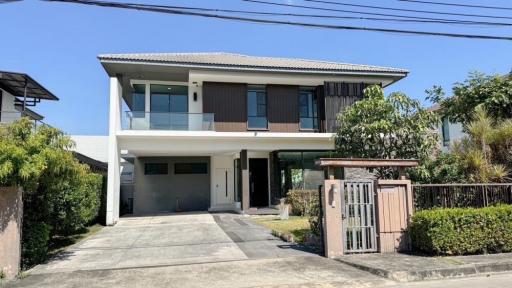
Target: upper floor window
[169,107]
[257,107]
[446,131]
[308,111]
[139,100]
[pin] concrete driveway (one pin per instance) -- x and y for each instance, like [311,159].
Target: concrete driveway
[191,250]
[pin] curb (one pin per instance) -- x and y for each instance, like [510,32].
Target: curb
[433,274]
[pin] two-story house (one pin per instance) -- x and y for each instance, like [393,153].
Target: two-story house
[220,131]
[18,92]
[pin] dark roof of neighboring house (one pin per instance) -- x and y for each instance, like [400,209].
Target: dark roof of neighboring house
[219,60]
[96,166]
[14,83]
[28,112]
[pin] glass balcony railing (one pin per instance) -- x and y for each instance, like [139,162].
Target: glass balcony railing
[134,120]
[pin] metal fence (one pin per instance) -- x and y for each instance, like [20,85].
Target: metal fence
[427,196]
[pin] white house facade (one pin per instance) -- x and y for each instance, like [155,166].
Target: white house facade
[220,131]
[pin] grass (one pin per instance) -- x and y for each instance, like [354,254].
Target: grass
[296,226]
[61,243]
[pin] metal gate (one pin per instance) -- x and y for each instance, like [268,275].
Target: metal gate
[358,213]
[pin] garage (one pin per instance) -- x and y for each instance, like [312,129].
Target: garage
[171,184]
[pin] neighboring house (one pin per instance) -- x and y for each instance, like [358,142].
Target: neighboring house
[220,131]
[92,150]
[93,146]
[448,132]
[18,91]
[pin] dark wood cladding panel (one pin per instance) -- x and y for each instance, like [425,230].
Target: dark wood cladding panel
[321,107]
[228,102]
[338,96]
[283,108]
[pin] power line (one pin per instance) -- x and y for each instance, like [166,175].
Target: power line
[458,22]
[459,5]
[407,10]
[264,21]
[361,12]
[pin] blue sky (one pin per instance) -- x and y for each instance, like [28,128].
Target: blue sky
[57,44]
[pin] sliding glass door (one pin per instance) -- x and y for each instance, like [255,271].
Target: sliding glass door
[169,107]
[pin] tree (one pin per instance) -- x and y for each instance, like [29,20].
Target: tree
[483,156]
[60,195]
[494,92]
[444,168]
[393,127]
[484,147]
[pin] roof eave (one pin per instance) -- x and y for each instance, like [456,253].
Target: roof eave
[50,95]
[398,74]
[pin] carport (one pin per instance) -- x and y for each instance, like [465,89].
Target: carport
[171,184]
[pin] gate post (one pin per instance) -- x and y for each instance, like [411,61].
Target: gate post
[331,202]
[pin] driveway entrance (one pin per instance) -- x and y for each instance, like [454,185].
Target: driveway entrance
[149,242]
[190,250]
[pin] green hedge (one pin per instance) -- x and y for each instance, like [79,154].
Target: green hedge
[302,201]
[36,237]
[461,231]
[306,203]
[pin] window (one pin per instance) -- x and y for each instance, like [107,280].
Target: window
[138,100]
[257,107]
[297,170]
[446,131]
[169,107]
[308,109]
[191,168]
[156,169]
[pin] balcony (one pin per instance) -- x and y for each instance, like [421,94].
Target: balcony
[134,120]
[8,117]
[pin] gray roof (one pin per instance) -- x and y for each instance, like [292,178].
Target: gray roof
[219,60]
[14,83]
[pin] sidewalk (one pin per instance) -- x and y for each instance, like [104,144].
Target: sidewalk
[404,268]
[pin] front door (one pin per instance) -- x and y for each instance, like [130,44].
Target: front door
[224,186]
[258,182]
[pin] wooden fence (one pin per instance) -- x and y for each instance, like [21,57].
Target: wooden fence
[428,196]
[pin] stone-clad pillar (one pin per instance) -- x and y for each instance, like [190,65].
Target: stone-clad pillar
[331,202]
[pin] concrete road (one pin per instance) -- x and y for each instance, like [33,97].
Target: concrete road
[487,281]
[192,250]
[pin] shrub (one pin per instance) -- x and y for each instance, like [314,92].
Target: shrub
[302,201]
[445,168]
[315,219]
[60,195]
[35,243]
[461,231]
[306,203]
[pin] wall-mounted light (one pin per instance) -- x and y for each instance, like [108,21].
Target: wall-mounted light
[332,192]
[195,96]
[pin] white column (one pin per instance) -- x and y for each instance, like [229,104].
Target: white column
[113,186]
